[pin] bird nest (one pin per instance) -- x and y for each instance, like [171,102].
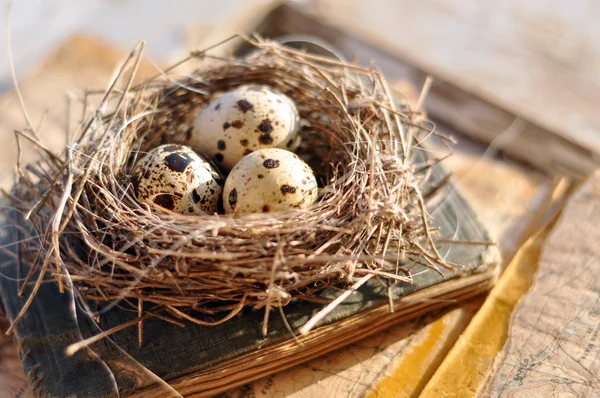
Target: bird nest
[360,140]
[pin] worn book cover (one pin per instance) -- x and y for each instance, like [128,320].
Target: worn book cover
[204,360]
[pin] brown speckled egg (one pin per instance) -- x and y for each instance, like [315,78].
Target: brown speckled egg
[243,120]
[177,179]
[269,180]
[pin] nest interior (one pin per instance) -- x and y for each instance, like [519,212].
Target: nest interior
[361,142]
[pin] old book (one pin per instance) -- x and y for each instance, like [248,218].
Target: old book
[206,360]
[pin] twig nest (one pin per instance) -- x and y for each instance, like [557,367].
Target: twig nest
[269,180]
[359,141]
[243,120]
[177,179]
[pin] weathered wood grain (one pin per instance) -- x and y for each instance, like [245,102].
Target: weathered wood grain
[537,60]
[454,101]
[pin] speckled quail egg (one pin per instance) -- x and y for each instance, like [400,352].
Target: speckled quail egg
[243,120]
[269,180]
[177,179]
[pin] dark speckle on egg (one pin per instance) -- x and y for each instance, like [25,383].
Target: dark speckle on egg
[271,163]
[219,157]
[226,125]
[178,161]
[238,124]
[233,198]
[244,105]
[265,126]
[247,151]
[265,139]
[266,208]
[221,145]
[244,142]
[195,196]
[165,200]
[287,189]
[171,148]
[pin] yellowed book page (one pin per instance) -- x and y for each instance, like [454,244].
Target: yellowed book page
[467,366]
[356,370]
[553,348]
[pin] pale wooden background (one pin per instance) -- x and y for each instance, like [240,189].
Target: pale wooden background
[541,58]
[38,26]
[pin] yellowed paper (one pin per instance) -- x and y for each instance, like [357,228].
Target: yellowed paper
[372,365]
[553,347]
[469,363]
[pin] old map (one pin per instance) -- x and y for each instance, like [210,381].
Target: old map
[554,341]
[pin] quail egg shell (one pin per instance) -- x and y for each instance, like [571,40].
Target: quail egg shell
[178,179]
[243,120]
[269,180]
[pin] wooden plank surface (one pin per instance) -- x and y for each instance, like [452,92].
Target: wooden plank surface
[13,381]
[84,63]
[536,59]
[449,103]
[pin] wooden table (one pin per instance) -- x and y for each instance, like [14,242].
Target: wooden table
[537,59]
